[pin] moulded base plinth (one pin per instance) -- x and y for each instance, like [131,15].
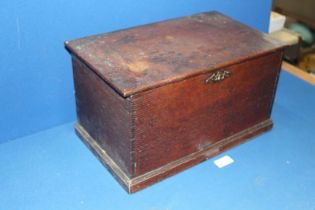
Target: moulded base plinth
[137,183]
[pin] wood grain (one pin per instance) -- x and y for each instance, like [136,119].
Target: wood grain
[135,184]
[145,57]
[157,99]
[181,118]
[104,114]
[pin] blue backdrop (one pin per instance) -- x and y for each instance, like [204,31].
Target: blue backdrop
[36,86]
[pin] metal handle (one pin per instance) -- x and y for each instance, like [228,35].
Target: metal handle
[218,76]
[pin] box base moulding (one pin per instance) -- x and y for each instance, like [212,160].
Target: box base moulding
[137,183]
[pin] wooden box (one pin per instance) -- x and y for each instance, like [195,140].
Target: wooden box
[157,99]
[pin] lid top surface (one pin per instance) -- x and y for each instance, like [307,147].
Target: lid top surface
[148,56]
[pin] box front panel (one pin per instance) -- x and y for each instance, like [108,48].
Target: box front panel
[176,120]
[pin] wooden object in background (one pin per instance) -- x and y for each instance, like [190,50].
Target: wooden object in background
[300,73]
[157,99]
[302,11]
[292,41]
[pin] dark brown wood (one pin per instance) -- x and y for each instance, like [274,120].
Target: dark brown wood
[184,117]
[137,183]
[153,55]
[202,92]
[104,114]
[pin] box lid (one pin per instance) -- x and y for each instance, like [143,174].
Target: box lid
[145,57]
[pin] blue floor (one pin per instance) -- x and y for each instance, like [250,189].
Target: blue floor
[54,170]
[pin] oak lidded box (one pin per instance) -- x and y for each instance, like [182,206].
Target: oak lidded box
[157,99]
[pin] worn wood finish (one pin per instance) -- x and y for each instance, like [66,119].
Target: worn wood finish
[104,114]
[157,99]
[181,118]
[135,184]
[142,58]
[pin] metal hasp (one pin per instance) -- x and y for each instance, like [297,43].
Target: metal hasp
[218,76]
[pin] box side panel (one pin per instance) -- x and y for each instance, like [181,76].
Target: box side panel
[179,119]
[103,114]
